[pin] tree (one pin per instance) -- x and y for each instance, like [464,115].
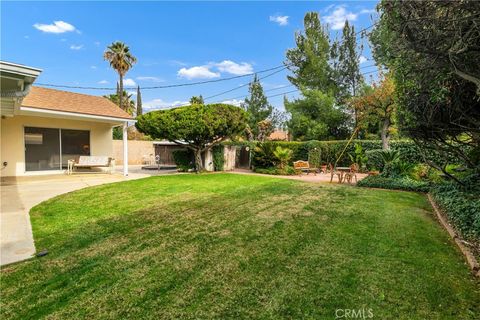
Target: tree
[139,102]
[432,49]
[346,66]
[198,127]
[309,60]
[197,100]
[283,155]
[121,60]
[315,117]
[376,106]
[129,105]
[257,107]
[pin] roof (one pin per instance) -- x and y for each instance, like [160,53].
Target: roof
[19,69]
[64,101]
[278,135]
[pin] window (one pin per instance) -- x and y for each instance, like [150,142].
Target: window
[50,149]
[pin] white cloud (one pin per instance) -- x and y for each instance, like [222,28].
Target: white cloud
[63,39]
[157,104]
[76,47]
[152,79]
[337,18]
[362,59]
[197,73]
[231,67]
[26,37]
[129,83]
[102,82]
[93,67]
[56,27]
[281,20]
[132,92]
[234,102]
[97,43]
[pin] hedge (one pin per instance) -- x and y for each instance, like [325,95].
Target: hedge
[404,183]
[330,150]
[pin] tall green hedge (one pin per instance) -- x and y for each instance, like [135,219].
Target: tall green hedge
[330,150]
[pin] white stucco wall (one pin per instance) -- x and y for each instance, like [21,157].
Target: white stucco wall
[12,141]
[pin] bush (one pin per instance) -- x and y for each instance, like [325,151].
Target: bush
[263,155]
[374,159]
[403,183]
[287,171]
[218,157]
[184,159]
[462,206]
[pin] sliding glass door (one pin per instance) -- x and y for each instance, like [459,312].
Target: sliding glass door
[50,149]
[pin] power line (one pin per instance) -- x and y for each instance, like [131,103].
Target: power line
[244,85]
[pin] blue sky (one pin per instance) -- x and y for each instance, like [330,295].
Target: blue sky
[174,42]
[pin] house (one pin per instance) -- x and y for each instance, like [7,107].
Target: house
[41,129]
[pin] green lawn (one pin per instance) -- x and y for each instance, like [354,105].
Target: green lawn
[238,246]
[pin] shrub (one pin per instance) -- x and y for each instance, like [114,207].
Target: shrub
[462,206]
[218,157]
[283,155]
[263,155]
[286,171]
[183,159]
[359,156]
[374,159]
[403,183]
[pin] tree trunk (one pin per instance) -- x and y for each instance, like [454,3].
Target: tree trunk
[385,135]
[120,94]
[198,160]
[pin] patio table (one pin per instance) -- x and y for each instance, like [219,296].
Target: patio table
[342,171]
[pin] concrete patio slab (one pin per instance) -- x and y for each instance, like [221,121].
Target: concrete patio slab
[20,194]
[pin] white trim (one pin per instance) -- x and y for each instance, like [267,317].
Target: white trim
[125,149]
[19,69]
[79,115]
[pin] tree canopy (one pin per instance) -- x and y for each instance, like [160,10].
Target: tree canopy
[259,111]
[198,127]
[121,60]
[432,49]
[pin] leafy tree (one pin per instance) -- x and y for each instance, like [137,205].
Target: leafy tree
[346,62]
[121,60]
[129,105]
[432,48]
[315,117]
[257,107]
[139,102]
[198,127]
[309,60]
[197,100]
[376,105]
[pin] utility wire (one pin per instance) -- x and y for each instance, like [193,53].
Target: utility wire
[244,85]
[164,86]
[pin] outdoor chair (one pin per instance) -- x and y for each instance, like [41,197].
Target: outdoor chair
[348,177]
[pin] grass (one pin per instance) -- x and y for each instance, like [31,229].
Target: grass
[238,246]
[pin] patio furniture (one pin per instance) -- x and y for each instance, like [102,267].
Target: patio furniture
[303,166]
[89,162]
[335,172]
[348,176]
[324,168]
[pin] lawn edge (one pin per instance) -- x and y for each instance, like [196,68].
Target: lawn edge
[467,253]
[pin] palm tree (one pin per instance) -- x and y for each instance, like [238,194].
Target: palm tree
[126,98]
[120,58]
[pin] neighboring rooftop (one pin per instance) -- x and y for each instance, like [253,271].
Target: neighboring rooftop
[64,101]
[279,135]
